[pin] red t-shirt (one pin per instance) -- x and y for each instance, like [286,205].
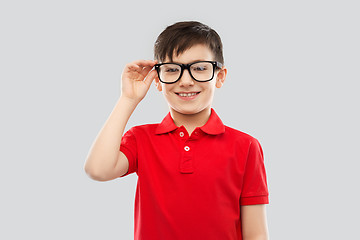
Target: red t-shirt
[191,187]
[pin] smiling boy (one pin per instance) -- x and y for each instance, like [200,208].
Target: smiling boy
[197,178]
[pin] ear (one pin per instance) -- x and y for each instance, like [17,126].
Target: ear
[220,77]
[157,83]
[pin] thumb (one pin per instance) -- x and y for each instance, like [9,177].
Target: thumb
[150,77]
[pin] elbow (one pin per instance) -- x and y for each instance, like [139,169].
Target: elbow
[96,176]
[94,173]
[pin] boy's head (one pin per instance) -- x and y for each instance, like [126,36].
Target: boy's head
[177,38]
[190,66]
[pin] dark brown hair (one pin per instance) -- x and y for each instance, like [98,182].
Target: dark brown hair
[179,37]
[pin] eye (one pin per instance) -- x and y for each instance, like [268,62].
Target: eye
[170,70]
[199,68]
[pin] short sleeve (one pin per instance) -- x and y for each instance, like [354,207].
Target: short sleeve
[254,189]
[128,146]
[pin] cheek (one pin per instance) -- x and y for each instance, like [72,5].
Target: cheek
[211,87]
[166,89]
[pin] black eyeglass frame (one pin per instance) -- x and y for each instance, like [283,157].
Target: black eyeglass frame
[216,65]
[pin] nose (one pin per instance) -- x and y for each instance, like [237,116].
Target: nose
[186,79]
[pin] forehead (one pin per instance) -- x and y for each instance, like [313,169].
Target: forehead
[197,52]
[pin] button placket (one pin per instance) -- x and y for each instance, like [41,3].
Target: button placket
[186,164]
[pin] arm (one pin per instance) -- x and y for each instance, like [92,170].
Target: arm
[105,161]
[253,222]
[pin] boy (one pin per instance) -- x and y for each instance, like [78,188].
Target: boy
[197,178]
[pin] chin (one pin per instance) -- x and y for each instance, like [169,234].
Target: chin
[188,110]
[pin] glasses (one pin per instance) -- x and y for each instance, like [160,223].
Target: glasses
[201,71]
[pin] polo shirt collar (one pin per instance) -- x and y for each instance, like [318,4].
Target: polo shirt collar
[213,126]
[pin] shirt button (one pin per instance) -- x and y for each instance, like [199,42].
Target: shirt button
[181,134]
[186,148]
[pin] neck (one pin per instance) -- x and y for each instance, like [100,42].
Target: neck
[191,121]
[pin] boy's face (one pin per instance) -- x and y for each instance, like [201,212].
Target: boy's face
[204,90]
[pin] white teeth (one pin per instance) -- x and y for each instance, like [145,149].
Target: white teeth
[187,94]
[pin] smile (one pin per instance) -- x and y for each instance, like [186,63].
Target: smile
[189,95]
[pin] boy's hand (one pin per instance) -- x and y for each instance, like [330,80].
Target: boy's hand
[133,85]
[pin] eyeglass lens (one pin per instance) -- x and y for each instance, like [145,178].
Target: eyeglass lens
[201,71]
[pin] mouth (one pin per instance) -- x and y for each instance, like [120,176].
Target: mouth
[187,94]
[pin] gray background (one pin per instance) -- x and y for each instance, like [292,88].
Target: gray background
[293,74]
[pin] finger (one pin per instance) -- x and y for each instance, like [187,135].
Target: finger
[132,67]
[150,77]
[145,71]
[145,63]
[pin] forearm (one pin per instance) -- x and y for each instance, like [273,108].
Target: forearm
[104,152]
[259,237]
[254,222]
